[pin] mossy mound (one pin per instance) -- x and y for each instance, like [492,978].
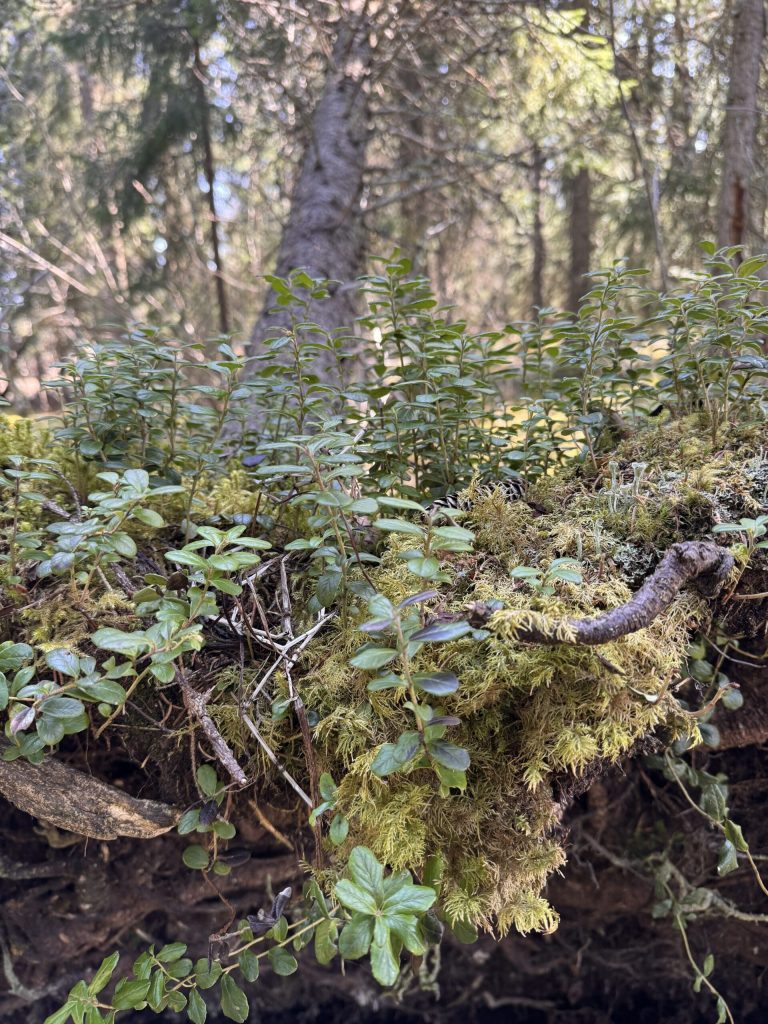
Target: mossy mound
[532,716]
[536,720]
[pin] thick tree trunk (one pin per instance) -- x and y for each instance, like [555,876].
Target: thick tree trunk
[324,233]
[578,188]
[733,214]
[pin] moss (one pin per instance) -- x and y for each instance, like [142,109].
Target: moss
[530,714]
[26,437]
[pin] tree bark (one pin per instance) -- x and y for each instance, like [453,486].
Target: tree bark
[200,78]
[324,232]
[539,251]
[578,187]
[733,214]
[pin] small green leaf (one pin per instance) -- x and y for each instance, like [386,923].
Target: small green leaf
[385,967]
[399,526]
[734,834]
[356,936]
[437,683]
[207,779]
[388,681]
[325,940]
[727,861]
[393,756]
[366,870]
[137,478]
[124,545]
[449,755]
[156,993]
[408,930]
[233,1001]
[62,707]
[405,503]
[188,822]
[224,829]
[713,801]
[103,975]
[63,661]
[249,965]
[130,994]
[339,829]
[281,961]
[197,1010]
[59,1016]
[410,899]
[439,632]
[373,657]
[327,787]
[196,857]
[451,778]
[172,952]
[353,897]
[207,978]
[149,517]
[117,640]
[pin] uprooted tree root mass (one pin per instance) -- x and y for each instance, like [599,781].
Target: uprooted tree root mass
[560,688]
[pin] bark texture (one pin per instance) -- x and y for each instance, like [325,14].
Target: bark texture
[71,800]
[537,241]
[741,116]
[324,232]
[579,190]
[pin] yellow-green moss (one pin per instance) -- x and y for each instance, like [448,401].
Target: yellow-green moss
[531,715]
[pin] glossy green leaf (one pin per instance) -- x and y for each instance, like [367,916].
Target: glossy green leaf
[353,897]
[356,936]
[103,975]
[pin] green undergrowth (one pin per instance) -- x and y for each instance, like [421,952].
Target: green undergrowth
[151,561]
[535,720]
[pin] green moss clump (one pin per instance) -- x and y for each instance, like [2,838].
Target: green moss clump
[532,716]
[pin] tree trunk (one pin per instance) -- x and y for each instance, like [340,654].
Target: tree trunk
[200,79]
[539,253]
[733,215]
[578,188]
[324,232]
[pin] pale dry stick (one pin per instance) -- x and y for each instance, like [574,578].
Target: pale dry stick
[267,824]
[285,598]
[299,643]
[251,725]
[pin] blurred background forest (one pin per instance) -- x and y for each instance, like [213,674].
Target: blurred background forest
[157,155]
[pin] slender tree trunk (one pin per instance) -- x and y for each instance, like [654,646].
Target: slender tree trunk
[578,188]
[741,114]
[210,177]
[324,232]
[414,209]
[539,252]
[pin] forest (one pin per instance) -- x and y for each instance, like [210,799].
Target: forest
[384,520]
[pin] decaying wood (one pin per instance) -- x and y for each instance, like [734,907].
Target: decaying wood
[74,801]
[699,561]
